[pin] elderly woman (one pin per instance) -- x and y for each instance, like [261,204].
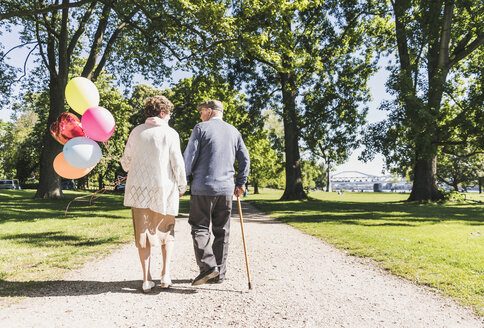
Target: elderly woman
[156,180]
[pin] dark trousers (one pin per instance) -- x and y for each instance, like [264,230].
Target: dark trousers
[203,211]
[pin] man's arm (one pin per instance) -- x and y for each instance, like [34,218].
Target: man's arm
[192,151]
[242,156]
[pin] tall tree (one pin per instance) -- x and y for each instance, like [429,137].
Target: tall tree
[59,29]
[21,146]
[264,162]
[438,87]
[335,113]
[6,146]
[460,171]
[24,156]
[282,49]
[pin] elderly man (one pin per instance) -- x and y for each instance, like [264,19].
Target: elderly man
[209,158]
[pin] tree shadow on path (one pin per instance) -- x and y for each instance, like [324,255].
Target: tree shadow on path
[82,287]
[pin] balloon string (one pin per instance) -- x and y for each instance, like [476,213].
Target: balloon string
[109,152]
[99,193]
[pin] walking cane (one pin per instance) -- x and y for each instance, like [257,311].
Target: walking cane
[243,240]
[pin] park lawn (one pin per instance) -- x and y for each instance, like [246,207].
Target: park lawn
[39,244]
[439,245]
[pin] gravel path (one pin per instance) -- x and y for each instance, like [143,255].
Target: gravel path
[298,281]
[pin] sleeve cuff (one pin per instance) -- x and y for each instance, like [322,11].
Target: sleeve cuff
[182,189]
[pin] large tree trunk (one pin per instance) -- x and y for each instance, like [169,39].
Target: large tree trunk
[455,184]
[425,183]
[49,181]
[425,169]
[256,188]
[100,180]
[328,180]
[294,187]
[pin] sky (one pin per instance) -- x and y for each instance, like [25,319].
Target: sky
[378,94]
[376,85]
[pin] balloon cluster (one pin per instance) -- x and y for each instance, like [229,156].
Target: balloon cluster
[81,152]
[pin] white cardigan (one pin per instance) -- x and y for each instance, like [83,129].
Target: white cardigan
[155,166]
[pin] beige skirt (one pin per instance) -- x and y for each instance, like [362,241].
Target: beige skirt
[152,227]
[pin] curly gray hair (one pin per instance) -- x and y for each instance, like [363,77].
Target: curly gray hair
[156,105]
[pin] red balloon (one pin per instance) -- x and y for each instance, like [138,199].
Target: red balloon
[66,127]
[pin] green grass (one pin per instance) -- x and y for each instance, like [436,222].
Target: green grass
[439,245]
[37,243]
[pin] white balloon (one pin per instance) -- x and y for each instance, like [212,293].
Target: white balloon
[82,152]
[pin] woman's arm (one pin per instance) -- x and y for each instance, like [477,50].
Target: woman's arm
[177,164]
[128,152]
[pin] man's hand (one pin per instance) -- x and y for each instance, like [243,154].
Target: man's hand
[239,191]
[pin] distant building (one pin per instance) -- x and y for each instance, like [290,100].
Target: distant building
[359,181]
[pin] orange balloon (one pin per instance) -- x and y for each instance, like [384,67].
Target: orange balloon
[68,171]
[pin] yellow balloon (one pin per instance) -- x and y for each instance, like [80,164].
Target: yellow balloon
[81,94]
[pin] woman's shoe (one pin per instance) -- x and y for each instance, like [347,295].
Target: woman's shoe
[147,286]
[165,281]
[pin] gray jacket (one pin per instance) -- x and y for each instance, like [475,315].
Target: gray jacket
[210,155]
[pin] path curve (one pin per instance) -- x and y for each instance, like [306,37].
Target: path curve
[298,280]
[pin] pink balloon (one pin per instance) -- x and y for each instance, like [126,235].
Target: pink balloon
[98,123]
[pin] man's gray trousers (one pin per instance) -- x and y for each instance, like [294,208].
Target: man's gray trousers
[203,211]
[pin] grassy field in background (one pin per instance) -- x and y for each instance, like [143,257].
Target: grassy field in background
[37,243]
[439,245]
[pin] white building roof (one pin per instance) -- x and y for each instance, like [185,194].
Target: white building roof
[355,176]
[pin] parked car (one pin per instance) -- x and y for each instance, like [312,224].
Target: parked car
[9,184]
[120,188]
[68,185]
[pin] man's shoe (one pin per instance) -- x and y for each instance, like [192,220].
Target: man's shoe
[205,276]
[216,280]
